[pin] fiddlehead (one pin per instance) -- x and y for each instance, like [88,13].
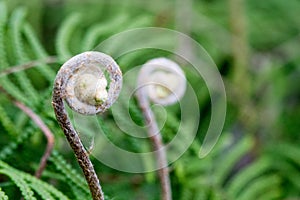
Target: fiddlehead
[163,82]
[81,82]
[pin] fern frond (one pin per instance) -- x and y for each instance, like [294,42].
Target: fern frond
[49,189]
[4,81]
[21,57]
[289,171]
[93,33]
[78,193]
[252,171]
[228,160]
[40,191]
[26,191]
[3,19]
[7,123]
[288,151]
[260,186]
[10,148]
[3,196]
[65,34]
[39,51]
[65,168]
[271,195]
[27,182]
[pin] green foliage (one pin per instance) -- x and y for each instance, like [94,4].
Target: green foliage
[258,154]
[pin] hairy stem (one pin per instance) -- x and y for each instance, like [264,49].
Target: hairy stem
[75,143]
[156,139]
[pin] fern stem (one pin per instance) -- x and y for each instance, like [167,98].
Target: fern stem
[47,132]
[156,139]
[77,146]
[74,73]
[28,65]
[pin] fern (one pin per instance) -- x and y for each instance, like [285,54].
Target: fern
[231,158]
[26,183]
[93,33]
[251,172]
[65,34]
[72,175]
[5,82]
[261,185]
[10,148]
[16,38]
[3,196]
[7,123]
[39,51]
[27,193]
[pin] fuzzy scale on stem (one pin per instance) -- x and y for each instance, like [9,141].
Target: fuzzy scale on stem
[163,82]
[88,100]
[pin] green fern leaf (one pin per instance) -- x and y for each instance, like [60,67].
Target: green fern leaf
[252,171]
[16,38]
[72,175]
[26,191]
[65,34]
[260,186]
[231,158]
[3,196]
[39,51]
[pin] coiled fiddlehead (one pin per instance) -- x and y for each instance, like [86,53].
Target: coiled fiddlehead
[82,84]
[163,82]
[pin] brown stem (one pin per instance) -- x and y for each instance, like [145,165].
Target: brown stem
[47,132]
[75,143]
[13,69]
[156,139]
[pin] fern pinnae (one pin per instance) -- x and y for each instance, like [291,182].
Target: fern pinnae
[65,34]
[259,186]
[45,186]
[70,173]
[271,194]
[240,180]
[39,51]
[4,81]
[288,151]
[3,20]
[78,193]
[41,192]
[10,148]
[289,171]
[7,123]
[16,38]
[231,158]
[3,196]
[26,191]
[93,33]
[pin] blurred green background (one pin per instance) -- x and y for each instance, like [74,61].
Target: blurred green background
[255,45]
